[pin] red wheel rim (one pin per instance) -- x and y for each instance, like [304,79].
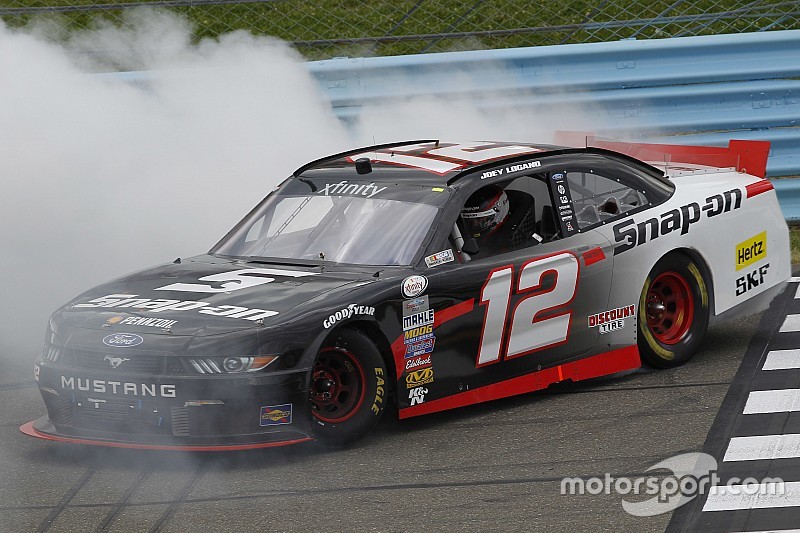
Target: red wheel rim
[337,386]
[670,308]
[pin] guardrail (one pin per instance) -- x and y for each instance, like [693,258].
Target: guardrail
[692,90]
[707,89]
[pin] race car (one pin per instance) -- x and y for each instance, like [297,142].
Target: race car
[427,275]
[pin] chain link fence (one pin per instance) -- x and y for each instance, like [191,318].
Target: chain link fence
[328,28]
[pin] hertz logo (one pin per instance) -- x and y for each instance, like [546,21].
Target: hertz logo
[751,251]
[419,377]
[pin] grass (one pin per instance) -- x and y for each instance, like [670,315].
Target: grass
[328,28]
[794,243]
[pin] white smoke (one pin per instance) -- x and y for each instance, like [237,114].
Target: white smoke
[102,177]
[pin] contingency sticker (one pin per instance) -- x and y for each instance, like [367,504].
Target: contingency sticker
[273,415]
[439,258]
[563,203]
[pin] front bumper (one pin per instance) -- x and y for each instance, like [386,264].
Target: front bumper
[201,413]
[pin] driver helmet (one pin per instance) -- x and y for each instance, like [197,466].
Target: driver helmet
[485,211]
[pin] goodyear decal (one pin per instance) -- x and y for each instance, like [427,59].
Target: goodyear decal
[273,415]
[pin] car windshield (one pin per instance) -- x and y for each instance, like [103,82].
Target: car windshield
[343,229]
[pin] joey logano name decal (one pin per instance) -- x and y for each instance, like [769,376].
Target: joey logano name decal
[613,319]
[510,169]
[347,312]
[161,305]
[343,188]
[629,234]
[751,251]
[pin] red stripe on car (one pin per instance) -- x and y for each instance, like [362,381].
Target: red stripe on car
[758,187]
[591,367]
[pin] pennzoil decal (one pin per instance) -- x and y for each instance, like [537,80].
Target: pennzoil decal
[273,415]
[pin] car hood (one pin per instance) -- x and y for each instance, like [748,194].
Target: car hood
[206,296]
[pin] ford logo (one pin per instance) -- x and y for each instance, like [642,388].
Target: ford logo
[414,286]
[122,340]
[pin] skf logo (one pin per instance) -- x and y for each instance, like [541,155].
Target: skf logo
[419,377]
[751,251]
[751,280]
[273,415]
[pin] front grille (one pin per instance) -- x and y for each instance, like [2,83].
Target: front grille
[121,415]
[180,422]
[133,363]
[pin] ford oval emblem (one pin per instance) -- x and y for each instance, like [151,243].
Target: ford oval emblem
[414,286]
[122,340]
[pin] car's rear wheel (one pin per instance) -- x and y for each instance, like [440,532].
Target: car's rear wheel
[348,389]
[673,312]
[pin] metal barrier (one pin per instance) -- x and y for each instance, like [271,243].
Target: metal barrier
[706,89]
[695,90]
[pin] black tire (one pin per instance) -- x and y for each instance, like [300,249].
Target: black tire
[673,312]
[348,389]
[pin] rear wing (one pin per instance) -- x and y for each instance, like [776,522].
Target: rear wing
[749,157]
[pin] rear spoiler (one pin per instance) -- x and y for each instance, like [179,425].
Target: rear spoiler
[749,157]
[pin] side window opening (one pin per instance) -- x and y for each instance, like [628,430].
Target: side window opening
[598,198]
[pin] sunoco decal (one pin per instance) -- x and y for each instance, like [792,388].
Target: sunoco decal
[613,319]
[413,286]
[273,415]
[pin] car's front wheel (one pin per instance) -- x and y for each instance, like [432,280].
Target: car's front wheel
[348,389]
[673,311]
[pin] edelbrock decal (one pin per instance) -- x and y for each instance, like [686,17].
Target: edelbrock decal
[122,340]
[413,286]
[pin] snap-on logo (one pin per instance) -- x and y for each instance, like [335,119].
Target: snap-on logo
[122,340]
[414,286]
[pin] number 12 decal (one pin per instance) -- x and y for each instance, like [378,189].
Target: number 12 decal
[519,330]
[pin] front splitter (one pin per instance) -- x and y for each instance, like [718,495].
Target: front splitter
[30,430]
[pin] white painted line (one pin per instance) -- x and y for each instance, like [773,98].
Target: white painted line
[772,401]
[763,447]
[757,496]
[794,279]
[792,323]
[782,360]
[797,293]
[772,531]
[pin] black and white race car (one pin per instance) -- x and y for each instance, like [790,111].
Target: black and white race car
[424,274]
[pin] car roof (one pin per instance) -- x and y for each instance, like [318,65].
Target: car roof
[423,162]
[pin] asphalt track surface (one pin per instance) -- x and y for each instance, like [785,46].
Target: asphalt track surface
[491,467]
